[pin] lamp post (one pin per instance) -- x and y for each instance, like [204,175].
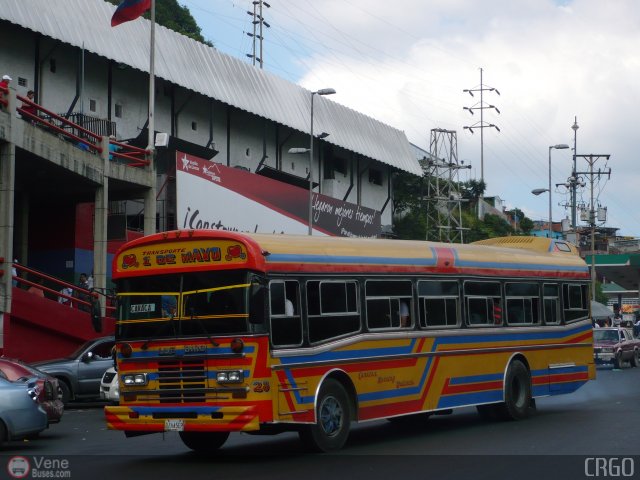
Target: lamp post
[323,91]
[538,191]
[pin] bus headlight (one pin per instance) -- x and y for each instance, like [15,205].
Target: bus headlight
[230,376]
[138,379]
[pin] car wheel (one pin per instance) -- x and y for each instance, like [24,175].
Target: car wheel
[617,361]
[333,419]
[517,392]
[635,359]
[204,442]
[65,391]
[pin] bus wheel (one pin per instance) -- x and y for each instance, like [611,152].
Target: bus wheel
[204,442]
[333,419]
[517,392]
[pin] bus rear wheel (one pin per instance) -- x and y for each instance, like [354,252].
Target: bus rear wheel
[333,419]
[204,442]
[518,402]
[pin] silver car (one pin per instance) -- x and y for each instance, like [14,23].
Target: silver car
[21,416]
[80,373]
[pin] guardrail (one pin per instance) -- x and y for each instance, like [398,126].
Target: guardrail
[80,298]
[83,138]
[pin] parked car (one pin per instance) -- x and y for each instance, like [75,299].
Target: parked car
[109,387]
[80,373]
[49,395]
[21,416]
[614,346]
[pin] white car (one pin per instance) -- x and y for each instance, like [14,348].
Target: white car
[109,386]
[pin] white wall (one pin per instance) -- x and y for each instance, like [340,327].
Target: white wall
[130,90]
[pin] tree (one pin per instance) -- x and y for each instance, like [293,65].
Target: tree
[175,17]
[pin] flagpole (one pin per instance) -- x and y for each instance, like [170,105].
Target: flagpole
[150,197]
[152,89]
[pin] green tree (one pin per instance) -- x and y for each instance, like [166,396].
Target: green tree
[170,14]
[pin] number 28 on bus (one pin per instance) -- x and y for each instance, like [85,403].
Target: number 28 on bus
[221,332]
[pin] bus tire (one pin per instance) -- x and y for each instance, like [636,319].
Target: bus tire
[333,419]
[517,392]
[204,442]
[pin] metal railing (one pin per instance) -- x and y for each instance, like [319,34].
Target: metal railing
[84,138]
[80,298]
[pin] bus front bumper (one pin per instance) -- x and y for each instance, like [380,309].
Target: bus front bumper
[187,418]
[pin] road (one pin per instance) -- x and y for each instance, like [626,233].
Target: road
[601,419]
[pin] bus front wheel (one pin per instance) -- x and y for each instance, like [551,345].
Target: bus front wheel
[518,403]
[204,442]
[333,419]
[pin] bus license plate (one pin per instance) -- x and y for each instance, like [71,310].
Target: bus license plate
[173,425]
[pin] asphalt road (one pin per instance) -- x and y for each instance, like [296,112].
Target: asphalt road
[602,419]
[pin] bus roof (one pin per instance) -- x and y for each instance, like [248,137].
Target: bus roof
[181,250]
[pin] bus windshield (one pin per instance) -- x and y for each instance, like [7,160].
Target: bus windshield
[184,305]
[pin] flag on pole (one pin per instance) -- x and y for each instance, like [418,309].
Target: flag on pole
[129,10]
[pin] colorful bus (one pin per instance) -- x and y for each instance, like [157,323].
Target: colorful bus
[221,332]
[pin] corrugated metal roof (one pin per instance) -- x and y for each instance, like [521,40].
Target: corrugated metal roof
[205,70]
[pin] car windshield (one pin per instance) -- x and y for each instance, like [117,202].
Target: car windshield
[606,335]
[194,304]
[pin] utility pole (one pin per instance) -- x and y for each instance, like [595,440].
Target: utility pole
[481,125]
[591,160]
[444,210]
[258,23]
[574,181]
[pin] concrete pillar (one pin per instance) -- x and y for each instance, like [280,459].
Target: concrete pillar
[100,226]
[7,192]
[150,205]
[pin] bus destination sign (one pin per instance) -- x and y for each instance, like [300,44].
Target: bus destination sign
[181,255]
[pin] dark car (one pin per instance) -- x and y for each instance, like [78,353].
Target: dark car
[49,393]
[614,346]
[80,373]
[21,416]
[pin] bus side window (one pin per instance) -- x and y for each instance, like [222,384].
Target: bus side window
[286,323]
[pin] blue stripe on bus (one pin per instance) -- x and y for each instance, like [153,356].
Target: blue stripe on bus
[476,379]
[476,398]
[402,392]
[459,339]
[560,370]
[181,355]
[351,354]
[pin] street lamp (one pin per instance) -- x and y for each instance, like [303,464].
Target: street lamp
[538,191]
[322,91]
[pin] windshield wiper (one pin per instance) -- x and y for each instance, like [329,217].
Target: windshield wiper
[204,329]
[157,332]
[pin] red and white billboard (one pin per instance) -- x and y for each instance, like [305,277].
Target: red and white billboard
[211,195]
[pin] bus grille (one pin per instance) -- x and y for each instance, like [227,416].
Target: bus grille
[184,381]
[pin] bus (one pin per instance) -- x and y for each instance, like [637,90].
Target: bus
[221,332]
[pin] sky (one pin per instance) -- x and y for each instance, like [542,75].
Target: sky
[407,62]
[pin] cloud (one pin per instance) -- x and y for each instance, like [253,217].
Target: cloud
[406,63]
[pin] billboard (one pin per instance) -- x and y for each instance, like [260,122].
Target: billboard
[212,195]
